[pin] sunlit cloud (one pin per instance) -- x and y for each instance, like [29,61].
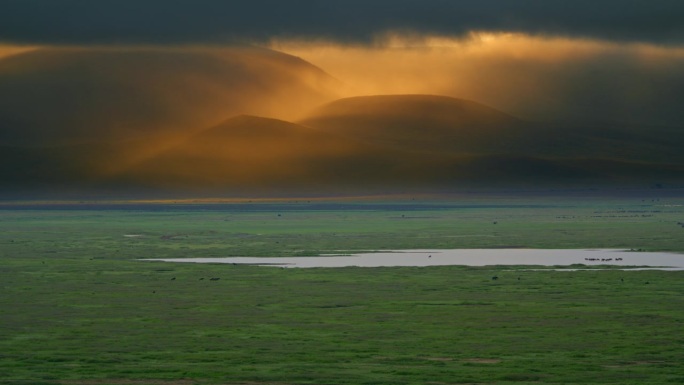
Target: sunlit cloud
[536,77]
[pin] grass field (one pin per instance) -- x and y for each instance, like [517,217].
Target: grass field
[76,307]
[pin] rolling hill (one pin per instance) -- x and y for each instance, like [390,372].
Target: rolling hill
[376,143]
[60,96]
[489,146]
[263,153]
[418,122]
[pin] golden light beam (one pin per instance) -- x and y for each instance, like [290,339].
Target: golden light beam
[530,76]
[9,50]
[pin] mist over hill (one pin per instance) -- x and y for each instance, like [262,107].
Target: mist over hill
[248,120]
[445,124]
[484,146]
[57,96]
[418,122]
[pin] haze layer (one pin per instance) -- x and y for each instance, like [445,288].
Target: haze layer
[240,120]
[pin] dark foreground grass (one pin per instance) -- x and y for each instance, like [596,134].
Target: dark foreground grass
[77,308]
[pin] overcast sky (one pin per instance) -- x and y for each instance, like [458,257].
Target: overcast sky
[155,71]
[613,60]
[354,21]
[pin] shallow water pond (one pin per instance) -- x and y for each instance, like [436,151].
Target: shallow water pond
[467,257]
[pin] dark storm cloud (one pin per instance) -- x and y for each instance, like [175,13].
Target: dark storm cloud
[212,21]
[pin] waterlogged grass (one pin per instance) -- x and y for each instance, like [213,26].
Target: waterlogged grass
[78,308]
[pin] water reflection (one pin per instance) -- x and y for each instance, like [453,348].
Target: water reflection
[467,257]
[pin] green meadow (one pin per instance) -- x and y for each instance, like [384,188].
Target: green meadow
[77,306]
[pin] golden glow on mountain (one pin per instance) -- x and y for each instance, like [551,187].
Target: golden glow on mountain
[406,110]
[553,73]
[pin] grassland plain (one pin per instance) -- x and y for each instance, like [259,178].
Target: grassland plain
[77,307]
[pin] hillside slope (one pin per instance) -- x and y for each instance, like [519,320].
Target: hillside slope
[76,95]
[382,143]
[417,122]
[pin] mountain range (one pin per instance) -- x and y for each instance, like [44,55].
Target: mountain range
[246,119]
